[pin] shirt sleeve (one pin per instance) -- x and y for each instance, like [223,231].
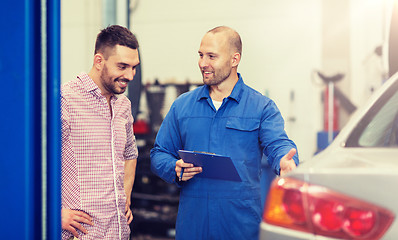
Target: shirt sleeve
[164,155]
[131,151]
[65,127]
[273,137]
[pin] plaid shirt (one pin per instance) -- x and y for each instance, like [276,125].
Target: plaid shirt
[95,145]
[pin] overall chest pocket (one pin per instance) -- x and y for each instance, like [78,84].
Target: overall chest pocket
[243,132]
[246,125]
[243,140]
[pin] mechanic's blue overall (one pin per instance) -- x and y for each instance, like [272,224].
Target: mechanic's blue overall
[246,125]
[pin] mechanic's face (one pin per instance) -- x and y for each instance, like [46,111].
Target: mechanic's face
[215,58]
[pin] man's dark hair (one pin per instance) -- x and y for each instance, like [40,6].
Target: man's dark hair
[115,35]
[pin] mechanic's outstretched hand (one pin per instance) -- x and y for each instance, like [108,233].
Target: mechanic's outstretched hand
[72,219]
[189,170]
[287,163]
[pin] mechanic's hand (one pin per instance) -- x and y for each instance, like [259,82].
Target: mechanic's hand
[189,170]
[71,220]
[128,213]
[287,163]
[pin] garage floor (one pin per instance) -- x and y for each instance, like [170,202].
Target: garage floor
[148,237]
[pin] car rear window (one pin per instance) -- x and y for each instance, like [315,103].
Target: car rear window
[379,127]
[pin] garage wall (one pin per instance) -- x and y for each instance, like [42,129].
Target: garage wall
[370,26]
[81,20]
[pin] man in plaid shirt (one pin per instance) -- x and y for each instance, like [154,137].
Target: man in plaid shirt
[99,152]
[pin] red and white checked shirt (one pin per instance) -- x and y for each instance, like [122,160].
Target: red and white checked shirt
[95,145]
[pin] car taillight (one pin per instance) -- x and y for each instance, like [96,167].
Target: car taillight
[314,209]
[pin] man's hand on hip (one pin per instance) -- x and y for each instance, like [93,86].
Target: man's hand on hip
[72,219]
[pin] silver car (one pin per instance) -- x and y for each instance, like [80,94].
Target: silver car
[348,191]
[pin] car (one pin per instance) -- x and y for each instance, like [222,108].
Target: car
[347,191]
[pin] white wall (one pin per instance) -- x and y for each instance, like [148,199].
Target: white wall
[370,26]
[283,43]
[81,20]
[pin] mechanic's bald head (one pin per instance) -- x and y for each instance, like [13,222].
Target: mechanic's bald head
[232,38]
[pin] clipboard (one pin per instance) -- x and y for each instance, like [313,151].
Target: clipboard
[213,165]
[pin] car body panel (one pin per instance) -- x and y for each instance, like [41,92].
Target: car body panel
[279,233]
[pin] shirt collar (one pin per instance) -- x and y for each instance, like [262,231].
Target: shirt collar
[236,93]
[88,83]
[90,86]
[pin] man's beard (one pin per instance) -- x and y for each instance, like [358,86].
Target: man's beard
[110,84]
[218,77]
